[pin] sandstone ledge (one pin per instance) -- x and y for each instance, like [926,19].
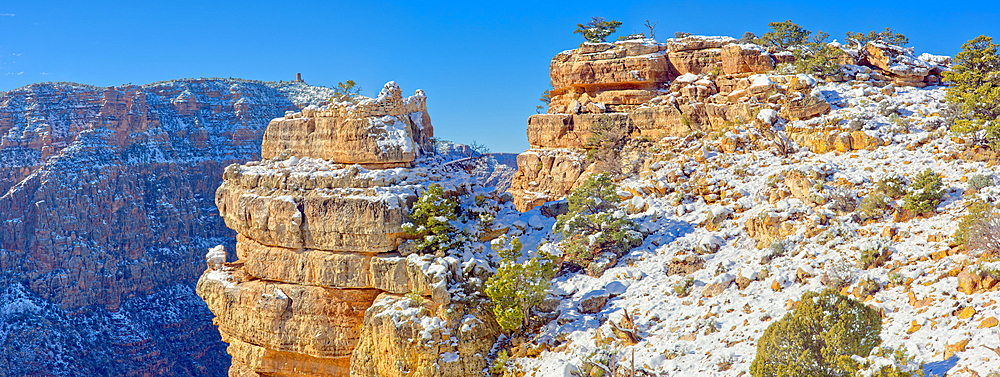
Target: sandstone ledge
[422,343]
[382,132]
[309,320]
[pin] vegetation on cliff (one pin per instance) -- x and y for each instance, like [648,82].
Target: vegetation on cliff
[974,89]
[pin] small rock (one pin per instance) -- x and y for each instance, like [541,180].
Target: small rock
[988,323]
[556,208]
[801,276]
[407,248]
[615,288]
[888,232]
[967,283]
[988,283]
[713,290]
[776,286]
[548,304]
[950,349]
[536,222]
[914,326]
[600,264]
[594,301]
[966,313]
[685,266]
[742,282]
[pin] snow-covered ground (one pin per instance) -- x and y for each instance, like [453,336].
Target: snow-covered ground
[716,335]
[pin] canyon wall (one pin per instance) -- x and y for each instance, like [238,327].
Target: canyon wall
[321,286]
[106,208]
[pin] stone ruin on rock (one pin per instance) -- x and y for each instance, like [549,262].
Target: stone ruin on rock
[319,288]
[686,86]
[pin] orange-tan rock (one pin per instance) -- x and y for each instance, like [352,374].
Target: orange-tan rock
[421,343]
[319,222]
[898,64]
[653,90]
[386,131]
[746,58]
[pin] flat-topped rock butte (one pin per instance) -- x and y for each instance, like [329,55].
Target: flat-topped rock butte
[318,287]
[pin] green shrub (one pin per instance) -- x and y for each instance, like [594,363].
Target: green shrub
[978,211]
[842,200]
[978,182]
[594,223]
[546,99]
[819,58]
[784,35]
[874,255]
[925,193]
[896,278]
[874,206]
[817,338]
[812,54]
[604,145]
[683,287]
[869,287]
[345,92]
[597,29]
[430,222]
[517,287]
[888,36]
[885,362]
[974,89]
[777,249]
[892,186]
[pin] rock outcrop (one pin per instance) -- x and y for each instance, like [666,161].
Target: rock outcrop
[319,288]
[899,64]
[105,206]
[645,88]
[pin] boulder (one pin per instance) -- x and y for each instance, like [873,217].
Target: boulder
[898,64]
[746,58]
[544,175]
[309,320]
[404,337]
[635,62]
[696,61]
[698,42]
[387,131]
[594,301]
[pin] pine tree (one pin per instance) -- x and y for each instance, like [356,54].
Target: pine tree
[817,338]
[974,88]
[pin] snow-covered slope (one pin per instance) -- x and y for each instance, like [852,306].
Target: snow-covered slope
[705,212]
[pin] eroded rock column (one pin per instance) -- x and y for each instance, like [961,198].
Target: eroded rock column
[319,281]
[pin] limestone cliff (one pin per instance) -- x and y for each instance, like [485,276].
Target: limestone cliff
[105,205]
[645,89]
[319,287]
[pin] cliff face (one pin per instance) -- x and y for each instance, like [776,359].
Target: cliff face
[318,287]
[106,206]
[645,89]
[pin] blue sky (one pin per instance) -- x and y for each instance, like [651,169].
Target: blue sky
[483,65]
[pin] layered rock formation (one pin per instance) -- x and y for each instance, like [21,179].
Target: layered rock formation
[318,287]
[686,86]
[106,205]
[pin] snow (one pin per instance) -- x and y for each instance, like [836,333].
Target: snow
[767,116]
[673,330]
[216,256]
[687,78]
